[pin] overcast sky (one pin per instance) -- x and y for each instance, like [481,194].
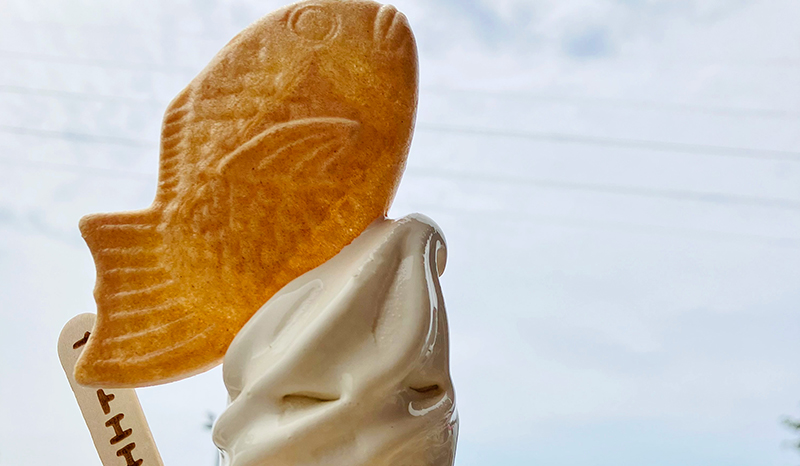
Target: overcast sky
[619,183]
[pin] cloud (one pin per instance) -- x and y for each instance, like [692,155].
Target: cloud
[593,42]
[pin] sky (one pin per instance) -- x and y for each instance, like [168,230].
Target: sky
[618,182]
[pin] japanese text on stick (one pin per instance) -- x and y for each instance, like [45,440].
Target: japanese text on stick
[115,421]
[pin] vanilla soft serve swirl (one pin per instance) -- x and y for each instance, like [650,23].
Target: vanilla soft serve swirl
[348,364]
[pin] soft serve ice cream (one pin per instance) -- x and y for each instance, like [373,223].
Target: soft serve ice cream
[348,364]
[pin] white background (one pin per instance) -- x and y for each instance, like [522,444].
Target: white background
[619,183]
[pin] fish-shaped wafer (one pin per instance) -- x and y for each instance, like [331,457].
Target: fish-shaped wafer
[277,155]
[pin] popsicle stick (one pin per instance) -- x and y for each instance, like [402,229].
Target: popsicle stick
[114,416]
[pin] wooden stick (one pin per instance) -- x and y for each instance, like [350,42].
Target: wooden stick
[114,416]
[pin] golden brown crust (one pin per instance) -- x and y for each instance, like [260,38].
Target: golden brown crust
[280,153]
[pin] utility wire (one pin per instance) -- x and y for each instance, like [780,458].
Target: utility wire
[692,233]
[77,137]
[516,95]
[561,138]
[633,191]
[658,146]
[223,35]
[96,29]
[102,63]
[476,214]
[521,95]
[793,243]
[73,168]
[762,113]
[22,90]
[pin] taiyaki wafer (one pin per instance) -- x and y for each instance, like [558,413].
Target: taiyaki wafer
[277,155]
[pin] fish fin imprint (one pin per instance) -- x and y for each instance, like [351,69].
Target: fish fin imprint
[137,303]
[172,135]
[291,147]
[127,358]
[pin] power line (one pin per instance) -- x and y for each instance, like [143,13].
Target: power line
[102,63]
[515,95]
[710,235]
[664,61]
[659,146]
[560,138]
[77,137]
[9,89]
[80,169]
[515,216]
[581,100]
[633,191]
[622,103]
[95,28]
